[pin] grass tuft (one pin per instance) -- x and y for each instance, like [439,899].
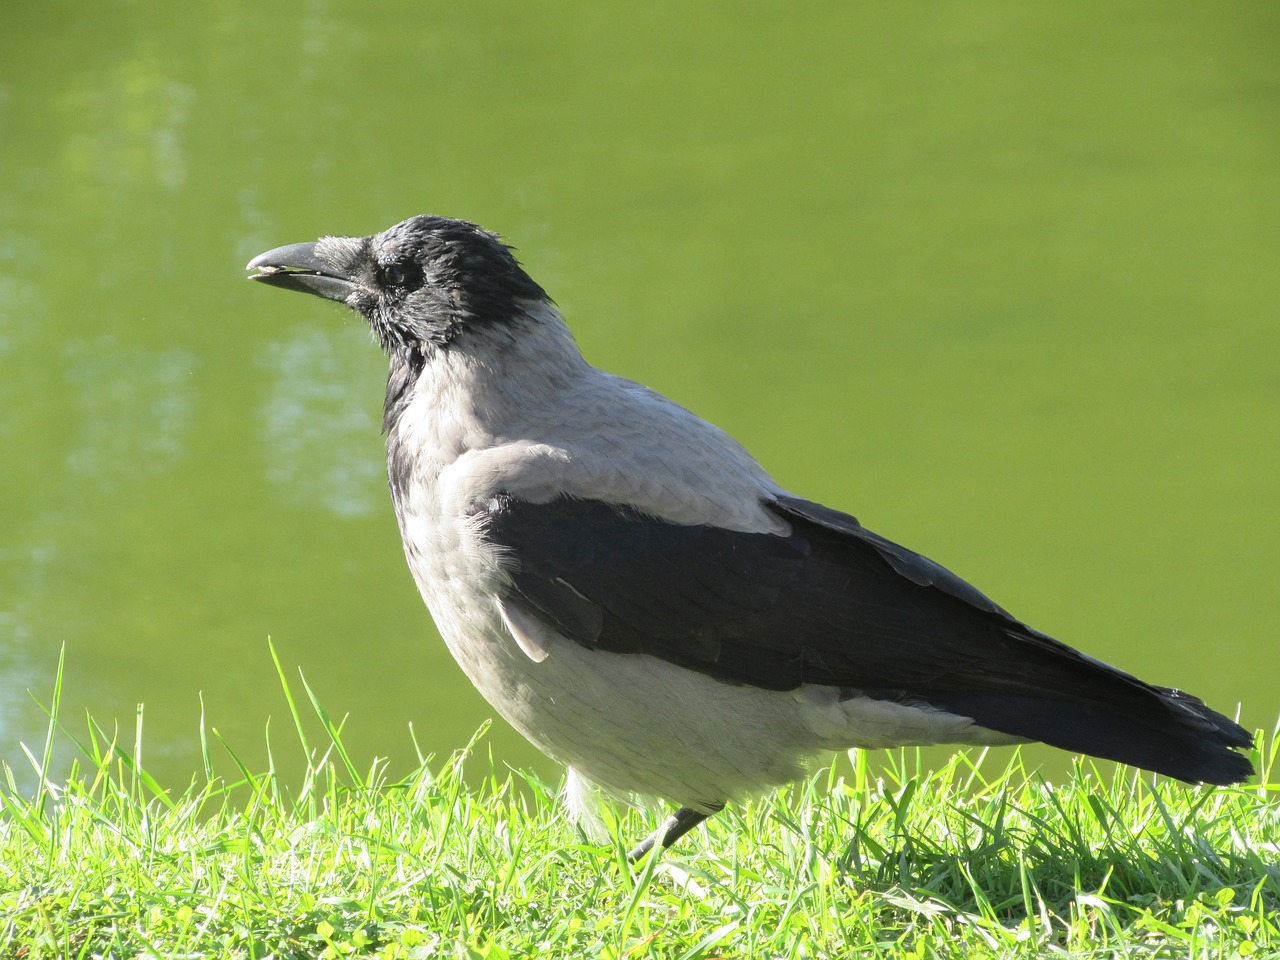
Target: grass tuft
[977,859]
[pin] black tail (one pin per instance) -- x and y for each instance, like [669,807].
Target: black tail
[1159,729]
[893,624]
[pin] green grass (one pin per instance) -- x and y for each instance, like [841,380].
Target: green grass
[976,859]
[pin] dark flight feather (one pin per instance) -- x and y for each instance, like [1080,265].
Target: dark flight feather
[833,603]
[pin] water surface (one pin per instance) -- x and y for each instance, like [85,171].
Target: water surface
[1000,279]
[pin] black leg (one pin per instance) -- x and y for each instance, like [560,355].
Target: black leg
[675,827]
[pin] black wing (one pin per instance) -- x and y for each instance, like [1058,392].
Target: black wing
[835,604]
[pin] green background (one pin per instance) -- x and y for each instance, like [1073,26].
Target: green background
[999,278]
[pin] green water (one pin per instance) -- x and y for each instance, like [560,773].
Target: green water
[1000,278]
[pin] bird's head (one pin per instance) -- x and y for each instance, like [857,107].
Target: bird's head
[420,284]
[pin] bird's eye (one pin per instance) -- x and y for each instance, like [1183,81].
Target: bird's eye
[394,275]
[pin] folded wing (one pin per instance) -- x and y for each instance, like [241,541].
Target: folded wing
[835,604]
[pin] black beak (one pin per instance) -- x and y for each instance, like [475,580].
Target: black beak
[295,267]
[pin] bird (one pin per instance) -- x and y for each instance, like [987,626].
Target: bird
[632,591]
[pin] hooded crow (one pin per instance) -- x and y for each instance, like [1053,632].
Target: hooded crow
[639,598]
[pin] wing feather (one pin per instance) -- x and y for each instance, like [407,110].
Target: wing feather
[832,603]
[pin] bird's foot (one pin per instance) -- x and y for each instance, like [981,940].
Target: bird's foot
[672,829]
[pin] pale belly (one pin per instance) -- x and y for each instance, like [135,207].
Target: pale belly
[632,724]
